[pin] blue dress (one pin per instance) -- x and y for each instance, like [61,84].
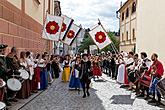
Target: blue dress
[44,79]
[75,81]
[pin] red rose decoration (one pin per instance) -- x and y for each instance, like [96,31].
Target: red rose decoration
[70,34]
[63,27]
[100,37]
[52,27]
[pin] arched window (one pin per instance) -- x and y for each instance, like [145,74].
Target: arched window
[133,7]
[127,12]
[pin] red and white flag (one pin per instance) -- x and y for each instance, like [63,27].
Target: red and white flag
[67,22]
[72,34]
[100,37]
[52,27]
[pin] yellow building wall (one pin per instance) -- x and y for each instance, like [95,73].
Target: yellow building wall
[35,10]
[128,24]
[151,27]
[16,3]
[127,48]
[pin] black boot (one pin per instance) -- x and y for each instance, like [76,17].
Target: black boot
[84,93]
[8,103]
[153,100]
[159,101]
[88,94]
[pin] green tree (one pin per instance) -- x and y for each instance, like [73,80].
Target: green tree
[87,41]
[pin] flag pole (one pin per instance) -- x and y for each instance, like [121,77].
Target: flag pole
[113,48]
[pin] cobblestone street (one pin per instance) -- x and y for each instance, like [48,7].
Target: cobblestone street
[106,94]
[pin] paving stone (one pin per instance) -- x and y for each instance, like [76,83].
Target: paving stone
[106,94]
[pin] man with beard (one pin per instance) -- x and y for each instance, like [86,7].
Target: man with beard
[85,74]
[156,71]
[12,64]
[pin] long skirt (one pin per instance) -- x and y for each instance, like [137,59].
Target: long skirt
[66,74]
[2,92]
[96,71]
[25,90]
[122,76]
[37,75]
[34,84]
[44,79]
[74,82]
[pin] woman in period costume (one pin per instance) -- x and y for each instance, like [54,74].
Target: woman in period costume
[66,71]
[121,70]
[49,70]
[30,63]
[96,68]
[75,81]
[43,75]
[25,90]
[37,71]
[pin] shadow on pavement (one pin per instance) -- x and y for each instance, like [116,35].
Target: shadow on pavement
[122,99]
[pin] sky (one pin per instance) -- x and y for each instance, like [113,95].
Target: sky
[87,12]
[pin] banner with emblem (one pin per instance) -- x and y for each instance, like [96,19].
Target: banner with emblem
[52,27]
[72,34]
[100,37]
[67,22]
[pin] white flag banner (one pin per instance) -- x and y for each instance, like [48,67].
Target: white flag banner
[72,34]
[52,27]
[100,37]
[67,22]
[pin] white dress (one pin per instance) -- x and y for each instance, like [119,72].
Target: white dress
[121,72]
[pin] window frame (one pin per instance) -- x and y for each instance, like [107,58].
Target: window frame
[127,13]
[133,7]
[127,35]
[122,16]
[133,33]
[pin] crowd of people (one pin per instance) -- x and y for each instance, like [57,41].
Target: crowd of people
[27,73]
[140,75]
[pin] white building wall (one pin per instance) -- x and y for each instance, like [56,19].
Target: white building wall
[151,27]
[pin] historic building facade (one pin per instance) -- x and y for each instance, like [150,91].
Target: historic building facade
[150,27]
[145,27]
[21,24]
[128,25]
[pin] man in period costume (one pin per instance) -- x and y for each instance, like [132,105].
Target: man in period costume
[85,74]
[12,64]
[144,77]
[3,74]
[156,71]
